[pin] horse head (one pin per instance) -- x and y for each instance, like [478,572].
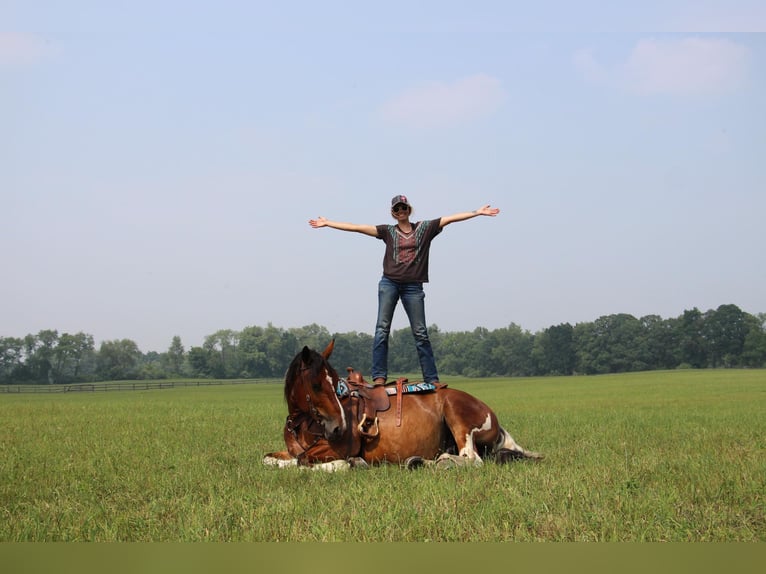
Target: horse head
[310,389]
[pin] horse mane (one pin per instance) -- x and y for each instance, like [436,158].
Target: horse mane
[317,361]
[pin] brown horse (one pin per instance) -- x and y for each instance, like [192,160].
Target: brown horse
[323,428]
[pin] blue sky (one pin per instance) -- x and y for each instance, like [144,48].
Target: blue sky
[159,161]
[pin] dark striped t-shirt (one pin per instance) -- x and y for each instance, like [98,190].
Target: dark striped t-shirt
[406,257]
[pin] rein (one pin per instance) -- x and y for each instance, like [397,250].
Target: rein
[294,422]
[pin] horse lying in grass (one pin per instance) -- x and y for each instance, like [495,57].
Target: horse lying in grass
[335,423]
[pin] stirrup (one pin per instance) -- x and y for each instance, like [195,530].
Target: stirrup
[364,432]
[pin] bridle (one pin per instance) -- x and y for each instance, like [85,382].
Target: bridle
[295,420]
[294,423]
[309,420]
[312,409]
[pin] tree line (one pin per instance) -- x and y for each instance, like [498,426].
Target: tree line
[726,337]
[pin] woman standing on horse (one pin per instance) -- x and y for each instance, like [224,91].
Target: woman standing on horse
[405,269]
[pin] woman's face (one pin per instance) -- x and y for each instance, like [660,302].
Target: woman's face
[400,212]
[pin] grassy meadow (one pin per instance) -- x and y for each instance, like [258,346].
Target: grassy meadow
[659,456]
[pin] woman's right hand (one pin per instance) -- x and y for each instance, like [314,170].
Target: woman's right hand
[318,222]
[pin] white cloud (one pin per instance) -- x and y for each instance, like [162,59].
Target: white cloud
[718,16]
[585,62]
[19,49]
[441,104]
[686,66]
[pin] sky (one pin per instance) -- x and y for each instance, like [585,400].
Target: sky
[160,160]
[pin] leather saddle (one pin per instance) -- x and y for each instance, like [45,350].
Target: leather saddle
[366,402]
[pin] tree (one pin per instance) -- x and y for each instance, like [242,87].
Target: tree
[487,352]
[507,351]
[223,344]
[353,350]
[724,337]
[38,353]
[255,363]
[554,350]
[453,355]
[313,336]
[266,352]
[176,356]
[608,345]
[754,348]
[659,344]
[11,358]
[692,339]
[200,360]
[69,355]
[118,359]
[724,331]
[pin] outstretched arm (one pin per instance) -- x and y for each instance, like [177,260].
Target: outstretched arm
[355,227]
[486,210]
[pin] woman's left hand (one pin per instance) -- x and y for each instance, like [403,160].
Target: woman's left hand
[487,210]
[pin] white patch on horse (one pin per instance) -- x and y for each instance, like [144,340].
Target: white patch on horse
[447,460]
[506,441]
[337,399]
[278,462]
[332,466]
[469,450]
[337,465]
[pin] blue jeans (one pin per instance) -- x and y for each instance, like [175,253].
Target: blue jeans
[413,300]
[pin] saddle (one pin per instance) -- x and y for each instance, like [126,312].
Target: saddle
[368,400]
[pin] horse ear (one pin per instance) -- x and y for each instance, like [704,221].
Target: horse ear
[328,350]
[306,355]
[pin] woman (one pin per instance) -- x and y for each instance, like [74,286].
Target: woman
[405,269]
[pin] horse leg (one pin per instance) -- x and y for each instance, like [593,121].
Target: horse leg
[336,465]
[304,449]
[473,425]
[506,449]
[276,459]
[477,431]
[447,460]
[279,459]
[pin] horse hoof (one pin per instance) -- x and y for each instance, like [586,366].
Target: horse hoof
[446,462]
[414,462]
[358,462]
[506,455]
[450,461]
[453,461]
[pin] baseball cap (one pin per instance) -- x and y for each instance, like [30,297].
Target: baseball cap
[400,199]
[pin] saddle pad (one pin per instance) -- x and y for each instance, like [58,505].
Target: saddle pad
[342,389]
[412,388]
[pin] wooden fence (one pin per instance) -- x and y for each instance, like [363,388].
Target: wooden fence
[126,386]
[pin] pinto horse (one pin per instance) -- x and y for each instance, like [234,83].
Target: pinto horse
[445,426]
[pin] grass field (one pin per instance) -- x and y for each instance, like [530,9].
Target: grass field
[661,456]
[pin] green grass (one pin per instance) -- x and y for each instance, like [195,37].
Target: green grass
[662,456]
